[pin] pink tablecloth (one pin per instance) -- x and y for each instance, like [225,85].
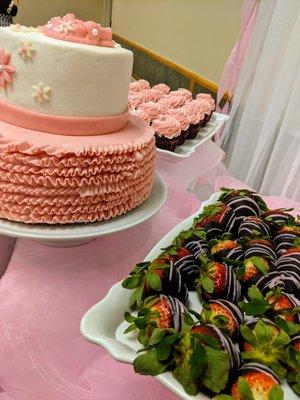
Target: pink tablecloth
[43,296]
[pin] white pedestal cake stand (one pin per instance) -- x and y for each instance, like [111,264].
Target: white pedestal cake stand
[75,235]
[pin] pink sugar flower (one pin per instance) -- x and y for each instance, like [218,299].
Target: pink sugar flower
[6,70]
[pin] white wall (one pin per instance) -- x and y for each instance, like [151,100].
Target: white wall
[37,12]
[197,34]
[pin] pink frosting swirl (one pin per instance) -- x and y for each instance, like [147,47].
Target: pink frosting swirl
[168,102]
[134,100]
[185,93]
[181,117]
[206,98]
[152,109]
[194,113]
[139,85]
[167,126]
[141,114]
[156,94]
[163,88]
[147,95]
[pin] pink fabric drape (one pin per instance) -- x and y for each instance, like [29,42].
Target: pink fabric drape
[231,71]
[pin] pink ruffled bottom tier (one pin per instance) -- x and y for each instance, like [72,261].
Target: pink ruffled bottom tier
[55,179]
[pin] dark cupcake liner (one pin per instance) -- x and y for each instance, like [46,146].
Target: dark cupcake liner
[206,120]
[165,143]
[182,137]
[193,131]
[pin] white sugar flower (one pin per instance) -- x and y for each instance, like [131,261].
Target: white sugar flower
[65,27]
[41,93]
[26,50]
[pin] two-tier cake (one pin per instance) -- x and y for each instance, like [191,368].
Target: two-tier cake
[69,153]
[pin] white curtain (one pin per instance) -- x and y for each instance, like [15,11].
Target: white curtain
[262,141]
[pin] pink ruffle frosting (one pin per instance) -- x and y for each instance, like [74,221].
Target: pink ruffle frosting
[166,126]
[52,179]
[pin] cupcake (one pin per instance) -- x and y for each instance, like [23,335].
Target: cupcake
[147,95]
[182,97]
[183,119]
[152,109]
[167,131]
[168,103]
[208,106]
[139,85]
[162,88]
[196,116]
[185,93]
[141,114]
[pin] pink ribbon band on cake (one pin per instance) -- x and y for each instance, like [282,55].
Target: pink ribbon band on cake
[60,125]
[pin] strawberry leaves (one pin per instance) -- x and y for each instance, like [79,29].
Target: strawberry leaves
[148,364]
[268,346]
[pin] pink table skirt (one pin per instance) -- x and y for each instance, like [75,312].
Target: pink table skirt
[44,294]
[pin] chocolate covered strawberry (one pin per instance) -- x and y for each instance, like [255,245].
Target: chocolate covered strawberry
[253,227]
[194,240]
[194,356]
[288,283]
[225,248]
[252,269]
[223,314]
[289,262]
[243,202]
[259,247]
[217,280]
[277,216]
[293,376]
[286,237]
[158,276]
[274,304]
[215,220]
[267,344]
[256,382]
[185,263]
[205,332]
[158,313]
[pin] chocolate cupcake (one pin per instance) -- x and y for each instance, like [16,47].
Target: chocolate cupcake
[196,116]
[208,106]
[183,119]
[167,131]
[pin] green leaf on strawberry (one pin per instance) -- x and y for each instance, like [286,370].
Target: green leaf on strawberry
[216,373]
[276,393]
[223,397]
[156,336]
[147,364]
[244,389]
[153,281]
[131,282]
[164,348]
[248,335]
[207,284]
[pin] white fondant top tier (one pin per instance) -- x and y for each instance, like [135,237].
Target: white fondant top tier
[63,78]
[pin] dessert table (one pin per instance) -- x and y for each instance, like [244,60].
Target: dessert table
[45,291]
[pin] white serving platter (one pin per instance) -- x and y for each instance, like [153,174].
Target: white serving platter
[215,123]
[104,323]
[74,235]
